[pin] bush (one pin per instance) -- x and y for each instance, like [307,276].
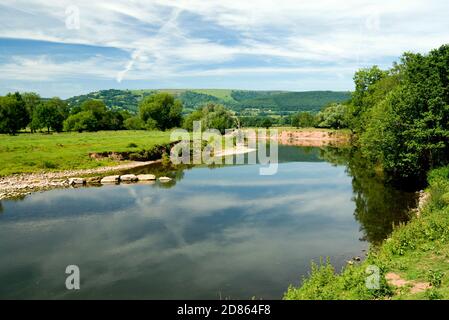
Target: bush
[131,145]
[48,165]
[435,278]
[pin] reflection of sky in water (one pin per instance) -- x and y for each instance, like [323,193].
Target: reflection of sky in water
[226,231]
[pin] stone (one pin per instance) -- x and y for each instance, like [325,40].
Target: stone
[146,177]
[164,179]
[110,179]
[356,259]
[73,181]
[128,178]
[93,180]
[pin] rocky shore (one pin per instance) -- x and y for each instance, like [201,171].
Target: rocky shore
[19,185]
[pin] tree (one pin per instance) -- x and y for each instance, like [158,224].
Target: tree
[212,116]
[402,115]
[303,120]
[134,123]
[13,113]
[82,121]
[47,115]
[266,122]
[333,116]
[163,109]
[32,100]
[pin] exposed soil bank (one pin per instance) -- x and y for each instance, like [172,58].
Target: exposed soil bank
[311,138]
[22,184]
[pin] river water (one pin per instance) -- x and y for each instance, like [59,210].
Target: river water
[211,233]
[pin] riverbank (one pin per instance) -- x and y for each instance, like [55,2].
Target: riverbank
[310,137]
[412,263]
[19,185]
[35,153]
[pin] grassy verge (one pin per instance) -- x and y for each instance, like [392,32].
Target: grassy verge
[417,253]
[64,151]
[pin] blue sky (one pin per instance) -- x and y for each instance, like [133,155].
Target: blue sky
[65,48]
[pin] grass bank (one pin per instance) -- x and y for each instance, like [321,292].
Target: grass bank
[26,153]
[413,262]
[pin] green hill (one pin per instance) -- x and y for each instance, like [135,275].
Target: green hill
[241,101]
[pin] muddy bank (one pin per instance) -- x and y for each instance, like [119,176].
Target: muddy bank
[19,185]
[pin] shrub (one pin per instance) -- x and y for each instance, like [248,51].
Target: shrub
[435,278]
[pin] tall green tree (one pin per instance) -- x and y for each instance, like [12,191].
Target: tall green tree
[13,113]
[47,115]
[212,116]
[333,116]
[161,110]
[32,100]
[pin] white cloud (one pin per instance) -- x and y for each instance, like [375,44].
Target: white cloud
[174,38]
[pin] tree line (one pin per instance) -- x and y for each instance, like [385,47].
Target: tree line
[400,116]
[160,111]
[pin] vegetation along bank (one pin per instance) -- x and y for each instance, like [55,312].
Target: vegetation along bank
[400,118]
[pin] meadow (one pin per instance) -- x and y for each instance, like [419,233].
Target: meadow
[24,153]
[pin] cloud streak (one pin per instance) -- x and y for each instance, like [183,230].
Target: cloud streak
[220,39]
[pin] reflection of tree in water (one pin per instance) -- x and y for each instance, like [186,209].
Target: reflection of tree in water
[1,207]
[379,206]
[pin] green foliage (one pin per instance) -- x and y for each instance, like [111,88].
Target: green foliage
[401,115]
[303,120]
[161,111]
[82,121]
[49,114]
[333,116]
[212,116]
[131,145]
[134,123]
[417,251]
[32,100]
[433,294]
[13,113]
[323,283]
[277,102]
[435,278]
[267,123]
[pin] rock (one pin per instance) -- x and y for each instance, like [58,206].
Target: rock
[110,179]
[129,178]
[350,262]
[146,177]
[93,180]
[164,179]
[356,259]
[73,181]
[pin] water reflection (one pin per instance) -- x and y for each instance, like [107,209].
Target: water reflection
[209,233]
[379,205]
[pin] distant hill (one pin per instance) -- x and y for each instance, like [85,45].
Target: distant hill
[241,101]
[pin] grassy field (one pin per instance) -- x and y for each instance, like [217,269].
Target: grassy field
[64,151]
[416,253]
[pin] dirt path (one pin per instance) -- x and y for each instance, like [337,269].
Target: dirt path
[22,184]
[395,280]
